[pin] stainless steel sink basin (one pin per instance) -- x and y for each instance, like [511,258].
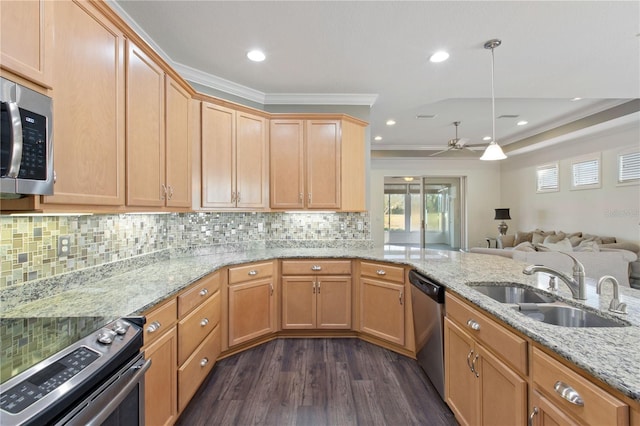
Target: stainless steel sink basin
[512,294]
[568,316]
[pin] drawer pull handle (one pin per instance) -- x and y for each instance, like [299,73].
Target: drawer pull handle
[473,324]
[253,272]
[381,272]
[319,282]
[401,297]
[473,365]
[532,415]
[204,362]
[568,393]
[153,327]
[469,355]
[204,322]
[316,268]
[270,289]
[204,292]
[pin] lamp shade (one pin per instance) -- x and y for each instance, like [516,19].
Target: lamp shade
[493,152]
[502,214]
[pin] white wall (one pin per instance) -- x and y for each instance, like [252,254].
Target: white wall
[611,210]
[483,191]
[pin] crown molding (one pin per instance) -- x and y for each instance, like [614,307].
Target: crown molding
[367,99]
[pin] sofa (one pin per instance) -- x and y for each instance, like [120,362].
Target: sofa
[599,255]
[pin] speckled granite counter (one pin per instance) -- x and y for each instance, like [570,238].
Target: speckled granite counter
[610,354]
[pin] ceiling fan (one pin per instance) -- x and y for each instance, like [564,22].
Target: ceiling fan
[458,144]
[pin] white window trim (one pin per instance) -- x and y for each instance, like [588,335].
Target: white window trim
[586,159]
[633,150]
[548,166]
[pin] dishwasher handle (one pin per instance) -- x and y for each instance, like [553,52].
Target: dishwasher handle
[431,288]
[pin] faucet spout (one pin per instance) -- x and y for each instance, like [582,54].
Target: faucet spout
[615,305]
[576,283]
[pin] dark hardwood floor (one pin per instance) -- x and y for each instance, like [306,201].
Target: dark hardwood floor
[317,382]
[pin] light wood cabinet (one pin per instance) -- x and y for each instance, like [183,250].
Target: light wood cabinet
[317,164]
[382,302]
[545,413]
[234,153]
[89,107]
[318,301]
[178,145]
[252,304]
[26,39]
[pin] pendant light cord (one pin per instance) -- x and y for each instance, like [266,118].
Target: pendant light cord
[493,100]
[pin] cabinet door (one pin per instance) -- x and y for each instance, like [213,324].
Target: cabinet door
[298,302]
[333,296]
[88,107]
[323,164]
[218,156]
[26,39]
[461,385]
[382,310]
[286,156]
[160,399]
[145,130]
[545,413]
[251,310]
[251,164]
[503,392]
[178,145]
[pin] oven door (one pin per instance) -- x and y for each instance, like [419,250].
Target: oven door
[118,402]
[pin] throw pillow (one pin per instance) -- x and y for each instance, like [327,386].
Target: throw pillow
[522,237]
[587,246]
[525,246]
[607,240]
[563,245]
[575,240]
[554,238]
[539,236]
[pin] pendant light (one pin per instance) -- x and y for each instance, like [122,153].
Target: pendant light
[493,151]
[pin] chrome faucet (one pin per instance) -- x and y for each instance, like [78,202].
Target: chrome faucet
[615,305]
[575,284]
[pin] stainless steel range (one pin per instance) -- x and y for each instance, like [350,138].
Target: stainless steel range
[96,380]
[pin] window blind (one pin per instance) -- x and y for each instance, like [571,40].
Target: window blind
[629,167]
[586,173]
[547,178]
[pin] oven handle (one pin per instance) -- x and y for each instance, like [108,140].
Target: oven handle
[16,140]
[103,414]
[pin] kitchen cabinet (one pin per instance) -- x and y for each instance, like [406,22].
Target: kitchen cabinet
[234,158]
[252,302]
[26,39]
[319,299]
[88,107]
[160,346]
[382,302]
[482,361]
[317,164]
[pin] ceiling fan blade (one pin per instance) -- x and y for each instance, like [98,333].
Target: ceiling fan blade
[476,145]
[440,152]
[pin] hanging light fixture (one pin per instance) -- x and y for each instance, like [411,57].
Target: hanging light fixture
[493,151]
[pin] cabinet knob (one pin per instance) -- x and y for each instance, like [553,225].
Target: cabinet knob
[316,268]
[381,272]
[153,327]
[204,322]
[204,292]
[204,362]
[568,393]
[473,324]
[252,272]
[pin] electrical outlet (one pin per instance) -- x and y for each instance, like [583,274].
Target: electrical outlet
[64,245]
[342,226]
[360,226]
[260,227]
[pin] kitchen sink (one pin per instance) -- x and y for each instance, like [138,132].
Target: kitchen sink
[512,294]
[568,316]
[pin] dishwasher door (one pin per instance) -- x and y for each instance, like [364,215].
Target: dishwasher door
[427,297]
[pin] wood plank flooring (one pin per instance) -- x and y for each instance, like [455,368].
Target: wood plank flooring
[317,382]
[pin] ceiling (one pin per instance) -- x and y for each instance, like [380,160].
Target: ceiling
[376,53]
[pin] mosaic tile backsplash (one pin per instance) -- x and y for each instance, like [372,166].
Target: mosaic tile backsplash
[29,245]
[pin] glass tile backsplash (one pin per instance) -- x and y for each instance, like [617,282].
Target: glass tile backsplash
[29,245]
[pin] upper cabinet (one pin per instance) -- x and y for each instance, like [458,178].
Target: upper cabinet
[88,107]
[26,39]
[234,158]
[317,164]
[178,145]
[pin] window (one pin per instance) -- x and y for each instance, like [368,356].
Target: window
[547,178]
[585,172]
[629,167]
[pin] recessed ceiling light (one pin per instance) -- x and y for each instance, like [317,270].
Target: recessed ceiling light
[576,99]
[439,56]
[522,122]
[378,138]
[408,179]
[486,138]
[256,55]
[391,122]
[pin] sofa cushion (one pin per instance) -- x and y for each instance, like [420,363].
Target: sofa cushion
[525,246]
[562,245]
[522,237]
[554,238]
[539,235]
[587,246]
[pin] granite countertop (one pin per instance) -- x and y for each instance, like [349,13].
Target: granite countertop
[609,354]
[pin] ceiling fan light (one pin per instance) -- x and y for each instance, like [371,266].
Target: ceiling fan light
[493,152]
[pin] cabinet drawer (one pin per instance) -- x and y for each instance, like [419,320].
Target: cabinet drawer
[195,370]
[382,271]
[159,320]
[316,267]
[198,293]
[599,407]
[511,348]
[195,327]
[240,274]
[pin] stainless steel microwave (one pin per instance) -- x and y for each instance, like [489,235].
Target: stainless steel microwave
[26,155]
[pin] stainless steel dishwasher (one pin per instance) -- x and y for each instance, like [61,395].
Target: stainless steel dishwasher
[427,297]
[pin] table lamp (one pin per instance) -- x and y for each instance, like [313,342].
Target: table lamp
[502,214]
